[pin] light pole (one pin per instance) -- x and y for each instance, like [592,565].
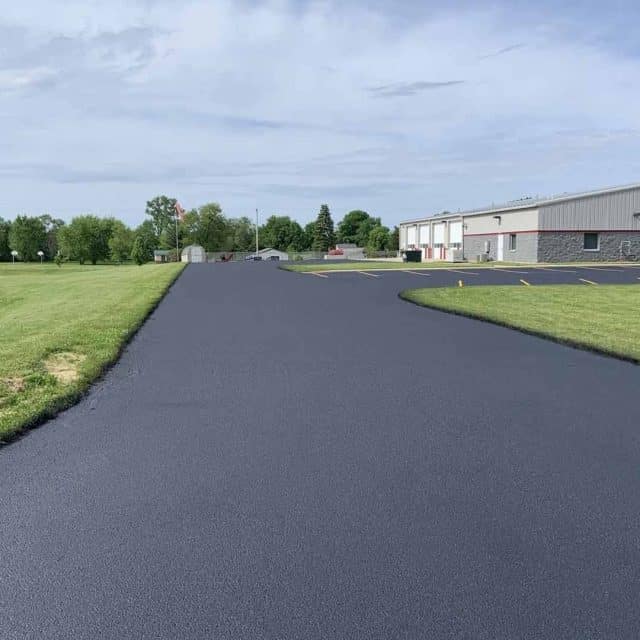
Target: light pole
[256,233]
[13,256]
[41,254]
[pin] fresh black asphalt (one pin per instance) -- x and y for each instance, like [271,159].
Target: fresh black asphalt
[283,456]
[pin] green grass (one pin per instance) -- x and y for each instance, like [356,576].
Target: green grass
[90,311]
[604,318]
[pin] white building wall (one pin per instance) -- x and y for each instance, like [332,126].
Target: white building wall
[403,237]
[510,222]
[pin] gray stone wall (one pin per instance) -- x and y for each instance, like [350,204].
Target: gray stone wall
[526,247]
[473,245]
[568,246]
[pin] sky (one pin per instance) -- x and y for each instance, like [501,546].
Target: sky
[402,109]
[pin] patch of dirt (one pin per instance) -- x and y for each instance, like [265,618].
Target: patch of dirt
[64,366]
[14,385]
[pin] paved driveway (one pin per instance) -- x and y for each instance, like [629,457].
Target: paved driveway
[284,456]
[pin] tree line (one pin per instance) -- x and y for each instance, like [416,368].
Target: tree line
[89,239]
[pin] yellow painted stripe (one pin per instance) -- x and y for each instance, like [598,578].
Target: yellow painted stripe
[371,275]
[317,275]
[587,281]
[524,282]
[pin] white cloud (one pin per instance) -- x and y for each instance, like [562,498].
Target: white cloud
[240,102]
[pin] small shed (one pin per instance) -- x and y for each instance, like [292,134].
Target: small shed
[273,254]
[161,255]
[194,253]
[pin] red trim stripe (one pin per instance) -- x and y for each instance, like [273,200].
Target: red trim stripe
[495,233]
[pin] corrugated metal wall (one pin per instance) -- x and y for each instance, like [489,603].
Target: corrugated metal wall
[607,211]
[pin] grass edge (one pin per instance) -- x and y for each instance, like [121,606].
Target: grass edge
[567,342]
[73,396]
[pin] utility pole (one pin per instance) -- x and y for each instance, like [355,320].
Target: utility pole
[257,232]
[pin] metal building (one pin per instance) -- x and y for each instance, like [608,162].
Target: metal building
[601,225]
[193,253]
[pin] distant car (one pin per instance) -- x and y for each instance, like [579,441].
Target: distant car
[253,258]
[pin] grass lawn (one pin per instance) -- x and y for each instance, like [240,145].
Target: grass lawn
[60,328]
[603,318]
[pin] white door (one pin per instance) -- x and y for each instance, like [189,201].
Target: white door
[500,246]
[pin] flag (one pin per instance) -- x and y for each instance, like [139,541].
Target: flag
[180,211]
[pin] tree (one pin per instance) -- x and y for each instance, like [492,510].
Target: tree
[5,249]
[139,253]
[242,231]
[365,229]
[144,243]
[121,242]
[323,237]
[162,211]
[207,226]
[394,239]
[27,236]
[51,225]
[149,239]
[212,228]
[378,239]
[280,232]
[86,238]
[309,235]
[167,238]
[349,226]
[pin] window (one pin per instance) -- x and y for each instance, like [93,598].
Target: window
[513,241]
[591,242]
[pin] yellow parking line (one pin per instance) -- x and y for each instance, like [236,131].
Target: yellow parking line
[371,275]
[559,270]
[587,281]
[417,273]
[525,283]
[317,275]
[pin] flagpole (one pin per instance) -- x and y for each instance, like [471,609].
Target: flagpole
[177,242]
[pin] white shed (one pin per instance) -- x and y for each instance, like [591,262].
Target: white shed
[194,253]
[273,254]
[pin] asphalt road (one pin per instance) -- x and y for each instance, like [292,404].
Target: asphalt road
[283,456]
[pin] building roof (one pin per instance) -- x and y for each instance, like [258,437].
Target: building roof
[161,252]
[525,203]
[270,249]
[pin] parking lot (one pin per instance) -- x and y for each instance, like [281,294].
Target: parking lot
[407,278]
[280,455]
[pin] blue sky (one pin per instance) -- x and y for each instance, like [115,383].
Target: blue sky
[401,109]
